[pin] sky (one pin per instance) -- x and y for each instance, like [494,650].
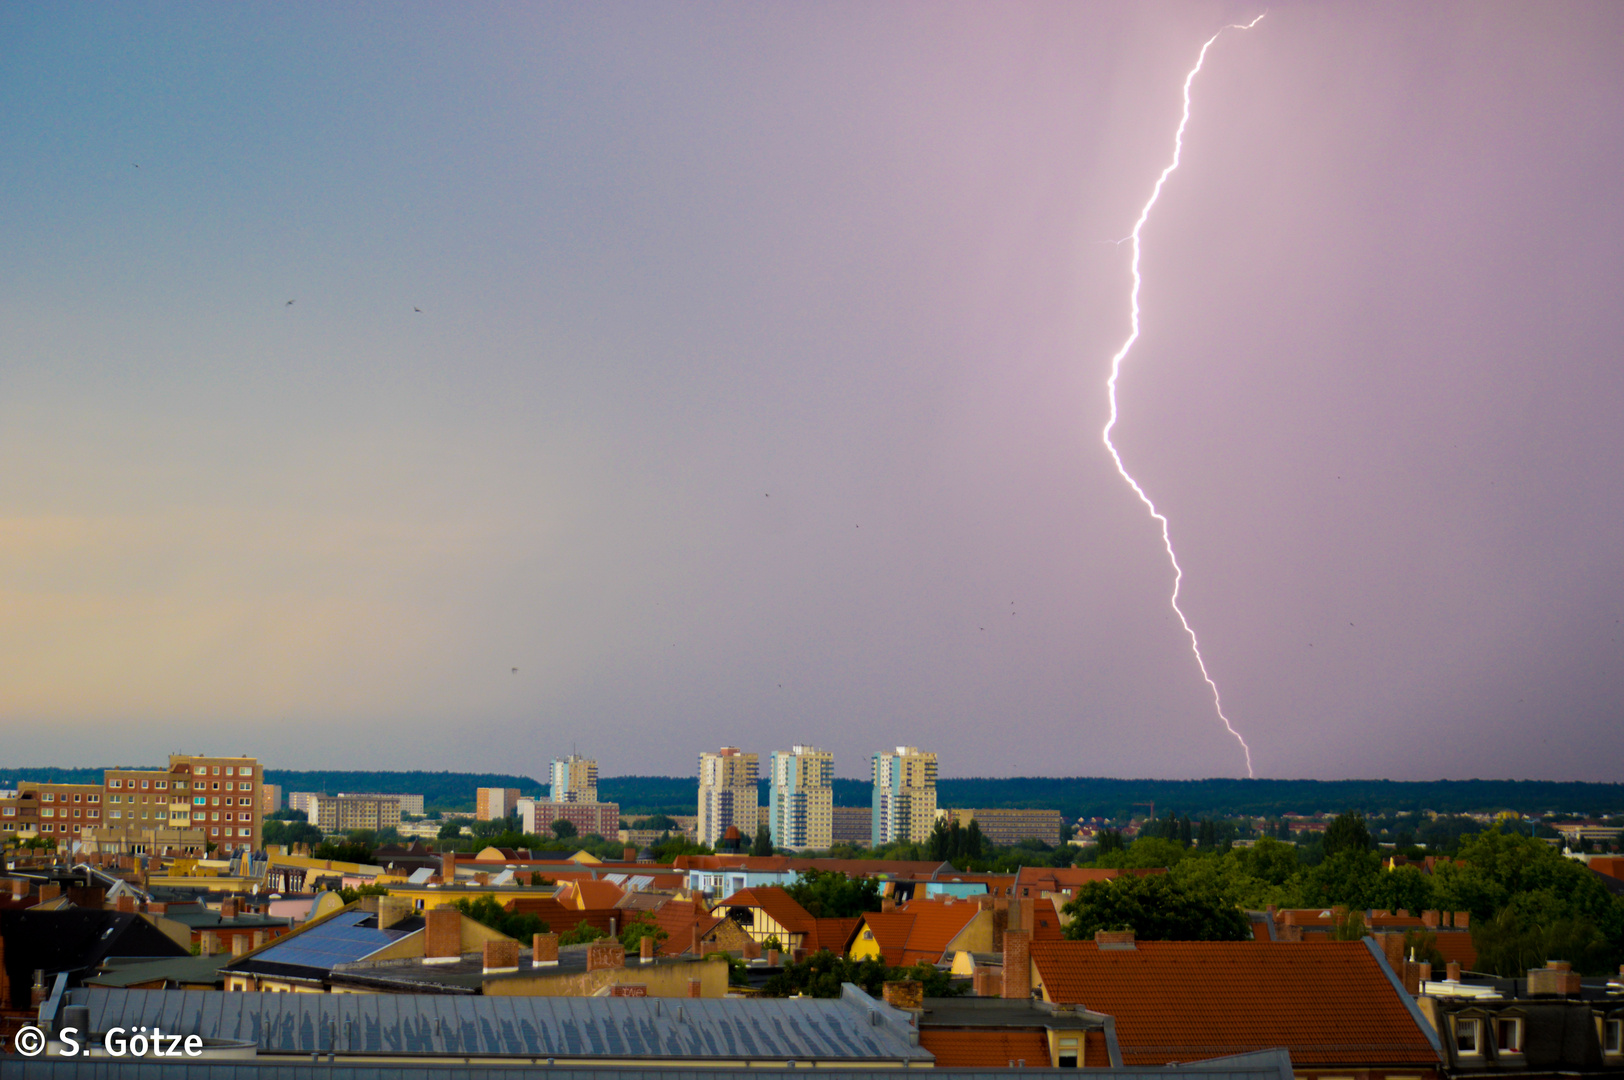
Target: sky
[447,387]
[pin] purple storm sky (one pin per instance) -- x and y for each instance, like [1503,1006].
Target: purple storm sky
[756,392]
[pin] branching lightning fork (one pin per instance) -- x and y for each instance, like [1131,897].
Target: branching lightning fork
[1116,370]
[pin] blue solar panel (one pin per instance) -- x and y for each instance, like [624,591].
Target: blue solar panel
[336,941]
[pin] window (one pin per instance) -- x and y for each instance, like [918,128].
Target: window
[117,814]
[94,799]
[78,798]
[1612,1035]
[1508,1034]
[49,797]
[1066,1055]
[217,770]
[162,785]
[245,832]
[47,812]
[216,786]
[200,800]
[145,785]
[1468,1035]
[229,770]
[115,783]
[10,811]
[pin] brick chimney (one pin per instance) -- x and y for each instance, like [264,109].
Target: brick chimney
[442,935]
[1114,939]
[544,950]
[49,890]
[1463,920]
[501,956]
[1024,910]
[887,904]
[1393,948]
[1292,933]
[1556,977]
[1017,965]
[602,954]
[696,988]
[987,982]
[645,949]
[628,854]
[19,888]
[752,949]
[905,994]
[448,867]
[228,908]
[1429,919]
[126,904]
[1452,971]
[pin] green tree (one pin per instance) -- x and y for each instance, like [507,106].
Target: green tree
[1145,853]
[638,928]
[821,975]
[656,822]
[344,851]
[583,933]
[291,832]
[829,894]
[1157,907]
[485,909]
[450,830]
[1107,841]
[562,829]
[1347,832]
[763,843]
[1348,878]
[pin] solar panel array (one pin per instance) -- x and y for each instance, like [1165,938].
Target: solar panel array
[337,941]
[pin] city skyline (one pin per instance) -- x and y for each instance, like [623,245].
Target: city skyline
[665,378]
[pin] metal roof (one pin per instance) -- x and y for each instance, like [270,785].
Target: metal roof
[1271,1065]
[852,1028]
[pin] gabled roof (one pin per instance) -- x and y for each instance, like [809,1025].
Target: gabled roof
[1329,1003]
[832,934]
[890,930]
[779,905]
[587,893]
[679,919]
[561,919]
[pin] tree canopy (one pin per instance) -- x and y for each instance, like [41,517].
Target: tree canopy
[1156,907]
[829,894]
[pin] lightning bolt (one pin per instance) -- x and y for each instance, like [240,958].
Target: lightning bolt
[1116,370]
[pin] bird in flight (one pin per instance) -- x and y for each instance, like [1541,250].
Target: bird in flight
[288,304]
[515,671]
[418,310]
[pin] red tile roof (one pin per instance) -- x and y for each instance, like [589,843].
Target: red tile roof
[890,930]
[832,934]
[590,894]
[1328,1003]
[986,1048]
[779,905]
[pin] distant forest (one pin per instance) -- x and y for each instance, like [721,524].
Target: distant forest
[1074,797]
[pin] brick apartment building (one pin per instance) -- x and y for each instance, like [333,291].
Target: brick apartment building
[195,802]
[341,813]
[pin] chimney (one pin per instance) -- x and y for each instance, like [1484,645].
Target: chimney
[1463,920]
[368,903]
[228,908]
[645,949]
[1429,919]
[1025,909]
[1556,977]
[442,935]
[1292,933]
[695,988]
[1114,939]
[1393,948]
[391,910]
[37,995]
[752,949]
[987,982]
[157,907]
[773,958]
[888,904]
[126,904]
[448,867]
[1414,974]
[19,888]
[605,953]
[1452,971]
[544,950]
[1017,964]
[907,994]
[693,931]
[501,956]
[49,890]
[629,854]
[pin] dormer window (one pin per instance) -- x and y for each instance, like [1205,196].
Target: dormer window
[1612,1035]
[1508,1034]
[1468,1036]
